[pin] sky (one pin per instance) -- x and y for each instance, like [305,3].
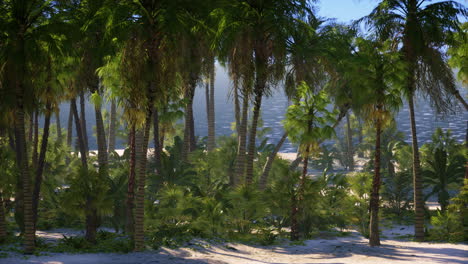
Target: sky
[347,10]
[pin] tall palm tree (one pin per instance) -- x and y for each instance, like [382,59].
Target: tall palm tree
[421,28]
[26,27]
[266,24]
[459,60]
[375,77]
[149,32]
[307,123]
[239,62]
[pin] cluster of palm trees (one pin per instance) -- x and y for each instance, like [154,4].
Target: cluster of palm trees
[147,55]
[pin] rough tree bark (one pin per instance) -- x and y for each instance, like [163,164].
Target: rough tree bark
[156,138]
[70,127]
[242,143]
[130,221]
[374,238]
[83,121]
[41,161]
[417,177]
[22,164]
[112,126]
[211,110]
[269,162]
[3,232]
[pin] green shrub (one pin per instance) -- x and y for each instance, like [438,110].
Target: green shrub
[452,225]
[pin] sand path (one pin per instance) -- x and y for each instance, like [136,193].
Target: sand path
[351,249]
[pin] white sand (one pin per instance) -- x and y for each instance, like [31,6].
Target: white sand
[351,249]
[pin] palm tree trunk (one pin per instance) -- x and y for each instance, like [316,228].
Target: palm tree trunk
[101,142]
[340,117]
[189,133]
[350,144]
[374,238]
[22,165]
[242,141]
[31,127]
[58,125]
[252,136]
[211,110]
[113,119]
[156,138]
[141,159]
[70,127]
[79,132]
[130,221]
[207,99]
[237,113]
[269,162]
[83,121]
[466,146]
[92,218]
[460,98]
[3,232]
[41,162]
[35,138]
[417,178]
[360,137]
[294,235]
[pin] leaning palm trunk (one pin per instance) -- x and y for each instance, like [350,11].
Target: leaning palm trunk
[253,135]
[460,98]
[58,125]
[41,161]
[79,132]
[83,121]
[242,139]
[22,165]
[3,232]
[350,144]
[269,162]
[141,138]
[295,163]
[211,110]
[130,221]
[70,128]
[111,134]
[417,178]
[374,238]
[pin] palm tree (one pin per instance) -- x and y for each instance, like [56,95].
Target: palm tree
[241,70]
[443,166]
[27,27]
[459,60]
[307,123]
[375,78]
[266,24]
[210,100]
[148,32]
[421,28]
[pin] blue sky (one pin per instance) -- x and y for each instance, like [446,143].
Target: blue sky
[347,10]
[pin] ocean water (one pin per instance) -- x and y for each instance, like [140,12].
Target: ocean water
[273,110]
